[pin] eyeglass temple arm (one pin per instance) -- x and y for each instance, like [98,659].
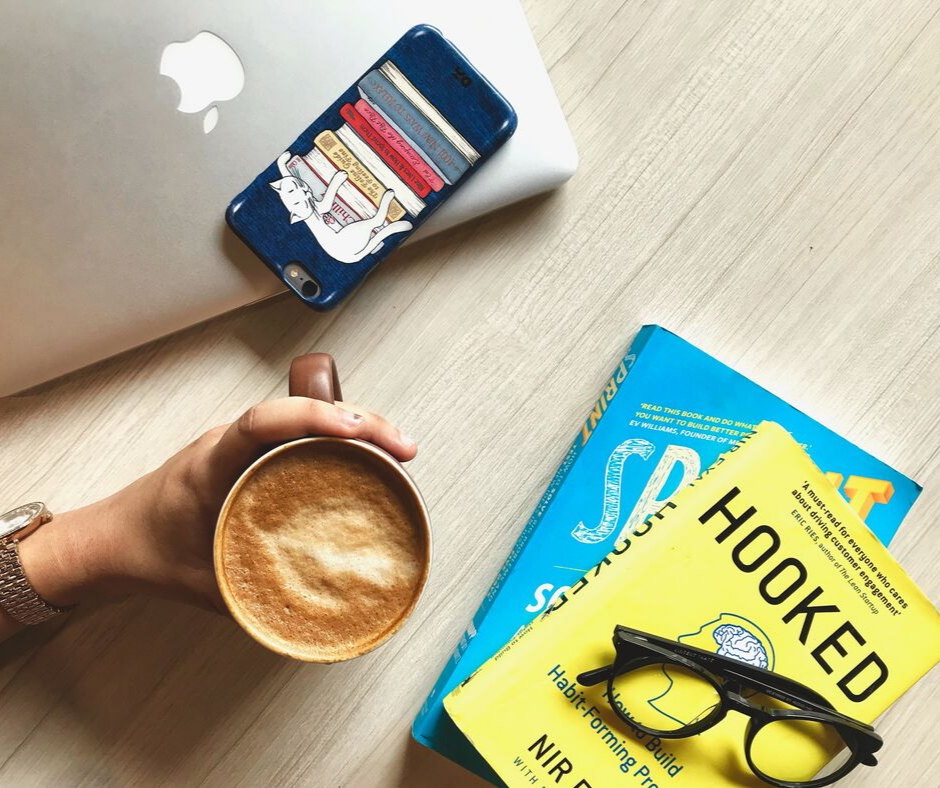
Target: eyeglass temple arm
[738,669]
[758,678]
[597,676]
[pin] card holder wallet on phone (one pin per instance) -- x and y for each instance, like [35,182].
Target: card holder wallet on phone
[372,168]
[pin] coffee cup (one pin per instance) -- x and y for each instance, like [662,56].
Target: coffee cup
[323,545]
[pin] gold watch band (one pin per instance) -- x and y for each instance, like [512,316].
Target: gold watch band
[17,596]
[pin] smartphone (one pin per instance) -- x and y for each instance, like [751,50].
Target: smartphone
[365,174]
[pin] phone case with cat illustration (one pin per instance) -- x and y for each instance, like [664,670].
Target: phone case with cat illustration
[372,168]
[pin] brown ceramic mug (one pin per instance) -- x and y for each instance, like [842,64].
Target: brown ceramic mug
[323,545]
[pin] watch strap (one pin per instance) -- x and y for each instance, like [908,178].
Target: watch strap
[18,598]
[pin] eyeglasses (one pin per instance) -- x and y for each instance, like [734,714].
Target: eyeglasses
[670,690]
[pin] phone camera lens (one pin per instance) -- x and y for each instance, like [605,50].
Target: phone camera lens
[309,289]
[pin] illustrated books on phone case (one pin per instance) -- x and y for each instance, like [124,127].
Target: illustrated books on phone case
[394,141]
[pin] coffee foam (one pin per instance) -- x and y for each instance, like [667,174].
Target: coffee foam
[323,551]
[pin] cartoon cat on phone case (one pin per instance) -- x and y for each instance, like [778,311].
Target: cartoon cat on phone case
[348,244]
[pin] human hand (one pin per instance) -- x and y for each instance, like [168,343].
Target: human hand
[155,536]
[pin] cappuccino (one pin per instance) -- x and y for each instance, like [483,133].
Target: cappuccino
[322,549]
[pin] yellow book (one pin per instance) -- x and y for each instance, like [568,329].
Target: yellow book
[359,175]
[763,548]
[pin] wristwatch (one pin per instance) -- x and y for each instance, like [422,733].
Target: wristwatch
[17,596]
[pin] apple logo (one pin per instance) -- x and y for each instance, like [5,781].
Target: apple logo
[206,70]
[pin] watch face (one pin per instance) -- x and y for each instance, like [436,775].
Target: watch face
[19,518]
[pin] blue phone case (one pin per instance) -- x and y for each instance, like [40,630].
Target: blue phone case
[381,159]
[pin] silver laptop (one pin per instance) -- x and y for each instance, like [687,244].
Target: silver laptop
[114,178]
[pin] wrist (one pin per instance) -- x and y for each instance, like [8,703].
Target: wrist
[61,558]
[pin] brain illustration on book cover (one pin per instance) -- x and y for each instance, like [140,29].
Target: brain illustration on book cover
[354,189]
[729,635]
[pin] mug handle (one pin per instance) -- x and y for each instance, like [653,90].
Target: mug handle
[314,375]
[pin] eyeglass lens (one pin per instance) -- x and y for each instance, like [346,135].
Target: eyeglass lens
[668,698]
[798,750]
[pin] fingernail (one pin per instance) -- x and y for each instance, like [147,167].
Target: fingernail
[406,439]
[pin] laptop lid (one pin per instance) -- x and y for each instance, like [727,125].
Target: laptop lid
[112,199]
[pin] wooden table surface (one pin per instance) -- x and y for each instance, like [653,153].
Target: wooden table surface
[761,177]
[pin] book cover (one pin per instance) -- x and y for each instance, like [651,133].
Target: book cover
[340,213]
[665,414]
[760,560]
[426,108]
[380,92]
[380,171]
[388,154]
[358,175]
[400,144]
[381,121]
[320,167]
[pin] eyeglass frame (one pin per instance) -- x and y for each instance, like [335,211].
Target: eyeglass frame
[635,649]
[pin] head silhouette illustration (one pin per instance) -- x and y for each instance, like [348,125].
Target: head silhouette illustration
[679,699]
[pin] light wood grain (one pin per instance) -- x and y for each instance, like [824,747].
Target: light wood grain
[761,177]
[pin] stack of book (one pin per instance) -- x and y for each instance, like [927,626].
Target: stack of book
[666,413]
[393,139]
[760,565]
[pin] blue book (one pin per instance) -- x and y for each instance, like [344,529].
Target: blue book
[665,414]
[378,90]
